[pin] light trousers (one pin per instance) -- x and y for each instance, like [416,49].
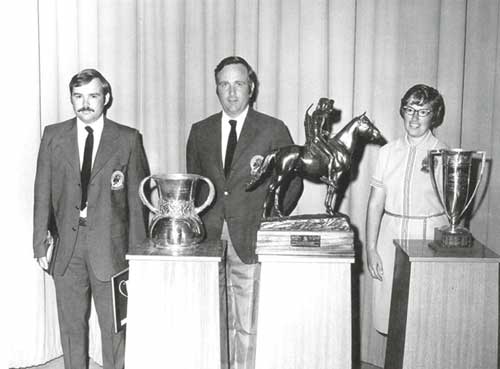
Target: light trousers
[242,281]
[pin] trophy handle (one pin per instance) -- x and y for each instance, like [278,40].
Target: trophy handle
[483,163]
[143,198]
[431,155]
[210,197]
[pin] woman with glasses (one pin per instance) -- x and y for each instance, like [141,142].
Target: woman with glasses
[402,202]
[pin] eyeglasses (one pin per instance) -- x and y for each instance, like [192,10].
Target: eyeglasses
[421,113]
[238,85]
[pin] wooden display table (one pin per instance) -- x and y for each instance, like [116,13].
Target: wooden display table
[173,307]
[444,308]
[304,311]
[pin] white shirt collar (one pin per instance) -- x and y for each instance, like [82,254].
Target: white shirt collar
[420,140]
[226,128]
[97,126]
[240,119]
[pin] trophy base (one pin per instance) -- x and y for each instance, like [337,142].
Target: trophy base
[168,244]
[173,247]
[477,250]
[309,234]
[445,238]
[161,244]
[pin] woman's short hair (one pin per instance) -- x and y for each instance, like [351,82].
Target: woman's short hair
[252,76]
[85,76]
[422,94]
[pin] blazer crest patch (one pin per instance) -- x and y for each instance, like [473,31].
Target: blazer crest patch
[117,180]
[426,164]
[255,164]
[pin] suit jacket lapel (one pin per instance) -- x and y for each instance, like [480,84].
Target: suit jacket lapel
[214,137]
[69,141]
[107,146]
[247,136]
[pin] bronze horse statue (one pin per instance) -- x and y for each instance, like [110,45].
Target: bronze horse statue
[324,157]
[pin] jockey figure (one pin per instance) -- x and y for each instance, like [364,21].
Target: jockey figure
[318,128]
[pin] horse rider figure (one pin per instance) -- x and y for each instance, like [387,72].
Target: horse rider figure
[318,129]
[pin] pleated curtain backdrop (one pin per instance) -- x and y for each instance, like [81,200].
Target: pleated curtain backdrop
[159,57]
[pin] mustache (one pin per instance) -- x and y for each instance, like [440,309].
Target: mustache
[86,109]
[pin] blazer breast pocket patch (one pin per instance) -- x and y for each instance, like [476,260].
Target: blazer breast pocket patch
[117,180]
[256,164]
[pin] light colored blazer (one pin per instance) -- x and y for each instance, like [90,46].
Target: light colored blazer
[242,210]
[115,214]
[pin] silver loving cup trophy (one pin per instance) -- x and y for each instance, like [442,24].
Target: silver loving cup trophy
[454,194]
[176,223]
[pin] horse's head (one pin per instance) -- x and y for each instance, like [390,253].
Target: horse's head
[367,129]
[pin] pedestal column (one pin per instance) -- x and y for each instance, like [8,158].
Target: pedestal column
[304,313]
[444,308]
[173,307]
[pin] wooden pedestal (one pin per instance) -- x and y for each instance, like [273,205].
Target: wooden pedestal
[444,308]
[173,308]
[304,312]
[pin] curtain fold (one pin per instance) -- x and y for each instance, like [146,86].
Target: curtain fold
[159,56]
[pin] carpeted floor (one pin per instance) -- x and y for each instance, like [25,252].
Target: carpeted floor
[59,364]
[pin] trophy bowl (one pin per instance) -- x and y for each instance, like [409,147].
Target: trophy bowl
[454,194]
[175,223]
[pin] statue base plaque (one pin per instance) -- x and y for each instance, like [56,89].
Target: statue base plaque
[305,235]
[446,238]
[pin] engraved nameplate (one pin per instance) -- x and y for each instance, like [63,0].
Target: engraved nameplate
[300,240]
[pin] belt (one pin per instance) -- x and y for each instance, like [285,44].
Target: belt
[418,217]
[82,222]
[423,217]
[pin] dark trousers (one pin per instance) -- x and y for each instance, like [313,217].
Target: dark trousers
[74,290]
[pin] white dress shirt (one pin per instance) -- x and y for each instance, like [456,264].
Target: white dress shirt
[82,133]
[226,129]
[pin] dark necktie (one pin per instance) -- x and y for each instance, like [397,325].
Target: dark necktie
[87,165]
[231,145]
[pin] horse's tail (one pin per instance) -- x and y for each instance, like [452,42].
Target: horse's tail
[262,170]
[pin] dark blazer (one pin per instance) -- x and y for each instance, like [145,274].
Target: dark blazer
[115,214]
[241,209]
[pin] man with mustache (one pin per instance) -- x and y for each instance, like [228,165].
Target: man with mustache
[86,195]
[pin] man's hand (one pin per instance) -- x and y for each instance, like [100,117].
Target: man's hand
[43,262]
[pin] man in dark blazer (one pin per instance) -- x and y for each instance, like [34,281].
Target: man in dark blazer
[86,194]
[221,147]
